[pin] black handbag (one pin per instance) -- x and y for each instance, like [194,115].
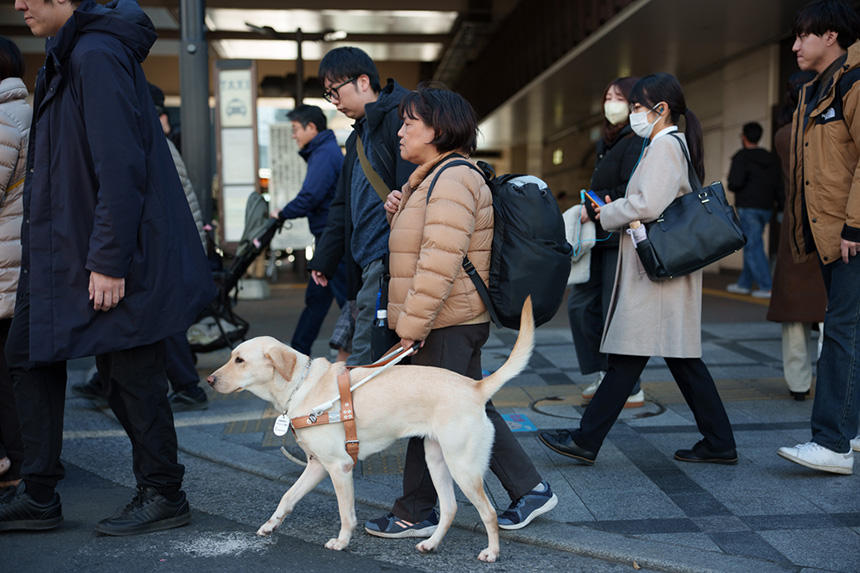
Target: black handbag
[695,230]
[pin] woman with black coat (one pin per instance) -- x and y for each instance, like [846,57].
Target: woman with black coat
[588,303]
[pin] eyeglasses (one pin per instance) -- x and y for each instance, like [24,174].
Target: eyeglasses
[331,94]
[634,107]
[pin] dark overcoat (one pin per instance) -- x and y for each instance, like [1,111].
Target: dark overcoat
[102,195]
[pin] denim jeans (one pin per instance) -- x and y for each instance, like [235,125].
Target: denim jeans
[756,266]
[837,389]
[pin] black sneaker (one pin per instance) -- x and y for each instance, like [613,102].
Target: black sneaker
[523,511]
[193,398]
[147,511]
[20,511]
[392,527]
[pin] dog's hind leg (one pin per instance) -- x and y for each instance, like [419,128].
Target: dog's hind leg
[341,479]
[472,484]
[313,474]
[444,489]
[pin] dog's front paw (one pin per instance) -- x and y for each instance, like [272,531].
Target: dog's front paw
[335,544]
[488,555]
[426,546]
[267,528]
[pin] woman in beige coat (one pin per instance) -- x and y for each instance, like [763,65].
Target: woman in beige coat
[649,318]
[15,116]
[433,301]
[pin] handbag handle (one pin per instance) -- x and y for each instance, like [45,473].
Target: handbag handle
[695,184]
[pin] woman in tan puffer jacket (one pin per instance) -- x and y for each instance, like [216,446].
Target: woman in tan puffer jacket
[15,115]
[432,300]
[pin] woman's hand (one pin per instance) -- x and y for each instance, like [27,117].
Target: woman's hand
[392,202]
[406,343]
[319,278]
[583,215]
[606,199]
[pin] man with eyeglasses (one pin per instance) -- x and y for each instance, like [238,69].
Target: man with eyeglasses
[357,229]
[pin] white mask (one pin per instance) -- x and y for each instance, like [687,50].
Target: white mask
[615,111]
[639,123]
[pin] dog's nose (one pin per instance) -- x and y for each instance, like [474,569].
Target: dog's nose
[211,379]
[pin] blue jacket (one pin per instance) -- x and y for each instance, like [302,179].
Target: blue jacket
[102,194]
[324,159]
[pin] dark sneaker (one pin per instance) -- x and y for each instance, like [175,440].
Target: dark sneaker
[20,511]
[523,511]
[91,389]
[147,511]
[193,398]
[393,527]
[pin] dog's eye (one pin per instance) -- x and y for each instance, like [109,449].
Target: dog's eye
[239,360]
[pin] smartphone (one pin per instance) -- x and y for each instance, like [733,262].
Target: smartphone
[595,198]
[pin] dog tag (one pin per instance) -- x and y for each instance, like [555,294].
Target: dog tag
[282,425]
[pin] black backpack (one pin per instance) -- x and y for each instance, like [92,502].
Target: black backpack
[530,255]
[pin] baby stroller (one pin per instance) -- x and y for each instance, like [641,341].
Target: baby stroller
[218,326]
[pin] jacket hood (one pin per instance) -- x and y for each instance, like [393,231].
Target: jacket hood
[853,59]
[12,89]
[389,98]
[321,139]
[122,19]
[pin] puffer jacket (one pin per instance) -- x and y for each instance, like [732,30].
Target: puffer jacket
[15,115]
[429,288]
[824,194]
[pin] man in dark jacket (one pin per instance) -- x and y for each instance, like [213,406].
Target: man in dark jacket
[319,148]
[111,261]
[357,229]
[756,179]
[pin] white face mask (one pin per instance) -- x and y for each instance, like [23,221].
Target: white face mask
[615,111]
[639,123]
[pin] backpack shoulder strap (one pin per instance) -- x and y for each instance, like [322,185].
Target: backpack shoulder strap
[454,163]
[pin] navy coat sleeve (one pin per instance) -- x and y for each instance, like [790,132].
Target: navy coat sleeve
[331,247]
[110,106]
[319,179]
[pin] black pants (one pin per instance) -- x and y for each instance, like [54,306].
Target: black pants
[11,445]
[693,379]
[137,394]
[458,348]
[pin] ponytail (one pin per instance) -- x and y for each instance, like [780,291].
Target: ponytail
[695,143]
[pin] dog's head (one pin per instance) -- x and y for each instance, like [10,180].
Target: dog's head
[254,365]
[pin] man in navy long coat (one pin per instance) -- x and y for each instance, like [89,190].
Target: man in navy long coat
[111,261]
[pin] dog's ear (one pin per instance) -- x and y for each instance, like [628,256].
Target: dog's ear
[283,359]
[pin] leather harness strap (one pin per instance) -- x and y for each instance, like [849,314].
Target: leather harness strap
[346,415]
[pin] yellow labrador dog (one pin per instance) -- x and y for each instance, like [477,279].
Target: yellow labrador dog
[404,401]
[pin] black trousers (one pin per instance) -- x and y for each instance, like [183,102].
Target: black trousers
[11,445]
[693,379]
[458,348]
[137,394]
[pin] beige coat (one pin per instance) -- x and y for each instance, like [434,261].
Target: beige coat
[649,318]
[429,288]
[15,116]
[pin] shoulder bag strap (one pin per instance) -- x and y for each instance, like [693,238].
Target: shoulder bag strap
[373,177]
[695,184]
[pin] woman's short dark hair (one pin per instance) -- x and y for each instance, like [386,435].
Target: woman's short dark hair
[11,61]
[347,62]
[665,87]
[823,16]
[305,114]
[449,114]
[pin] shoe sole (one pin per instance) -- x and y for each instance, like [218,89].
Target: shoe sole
[548,506]
[724,461]
[425,532]
[31,524]
[567,454]
[160,525]
[831,469]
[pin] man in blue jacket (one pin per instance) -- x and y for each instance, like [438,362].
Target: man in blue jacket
[111,260]
[357,229]
[319,148]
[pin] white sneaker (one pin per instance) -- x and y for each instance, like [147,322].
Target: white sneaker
[737,289]
[818,457]
[591,389]
[855,443]
[758,293]
[636,400]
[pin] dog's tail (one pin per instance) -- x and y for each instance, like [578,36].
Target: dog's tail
[520,355]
